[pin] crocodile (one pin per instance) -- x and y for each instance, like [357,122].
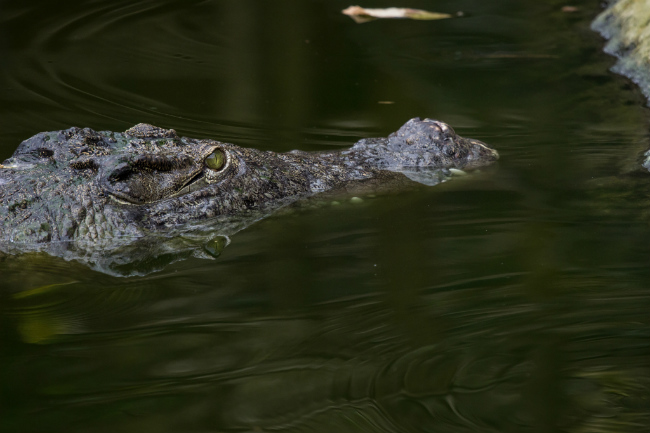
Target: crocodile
[90,196]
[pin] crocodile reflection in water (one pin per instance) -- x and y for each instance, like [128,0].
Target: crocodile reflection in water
[82,194]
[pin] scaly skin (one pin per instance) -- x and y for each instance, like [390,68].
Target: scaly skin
[81,190]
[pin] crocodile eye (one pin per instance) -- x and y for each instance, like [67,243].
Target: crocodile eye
[216,160]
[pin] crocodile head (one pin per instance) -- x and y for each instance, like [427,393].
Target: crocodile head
[80,190]
[81,184]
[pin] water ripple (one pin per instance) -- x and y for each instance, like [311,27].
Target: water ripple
[55,71]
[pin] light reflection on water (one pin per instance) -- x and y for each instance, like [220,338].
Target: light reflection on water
[515,299]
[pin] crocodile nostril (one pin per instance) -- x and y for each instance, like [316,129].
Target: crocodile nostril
[449,149]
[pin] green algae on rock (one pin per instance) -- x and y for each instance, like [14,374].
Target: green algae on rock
[626,24]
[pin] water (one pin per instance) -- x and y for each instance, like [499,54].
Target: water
[512,300]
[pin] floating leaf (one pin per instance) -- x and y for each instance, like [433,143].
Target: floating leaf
[362,15]
[570,9]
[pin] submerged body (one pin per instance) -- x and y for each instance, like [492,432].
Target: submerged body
[81,190]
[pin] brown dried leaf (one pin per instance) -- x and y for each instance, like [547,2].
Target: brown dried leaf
[362,15]
[570,9]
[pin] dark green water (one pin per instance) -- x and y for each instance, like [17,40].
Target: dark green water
[512,300]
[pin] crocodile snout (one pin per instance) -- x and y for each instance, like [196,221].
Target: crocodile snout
[434,144]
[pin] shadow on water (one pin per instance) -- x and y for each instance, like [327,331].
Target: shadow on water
[512,300]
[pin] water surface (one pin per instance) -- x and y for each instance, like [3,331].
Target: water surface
[511,300]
